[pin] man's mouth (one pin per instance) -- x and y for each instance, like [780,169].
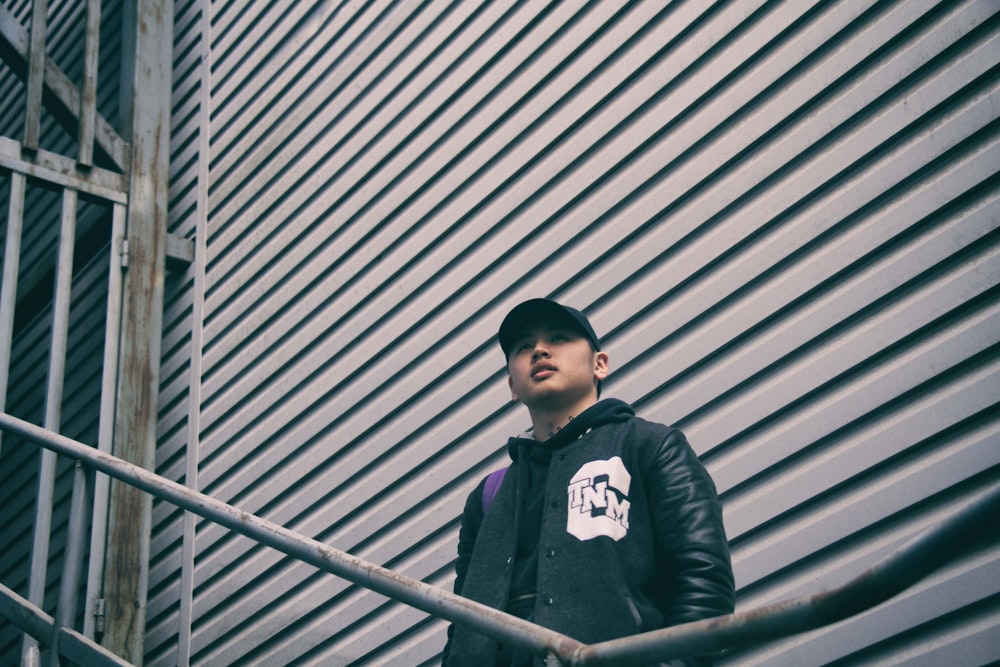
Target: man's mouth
[542,371]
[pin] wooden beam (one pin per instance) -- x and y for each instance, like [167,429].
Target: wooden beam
[148,43]
[58,171]
[36,74]
[88,101]
[60,96]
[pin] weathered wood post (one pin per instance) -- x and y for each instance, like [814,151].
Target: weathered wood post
[146,87]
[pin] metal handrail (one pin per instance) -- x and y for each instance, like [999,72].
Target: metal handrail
[973,526]
[66,641]
[413,592]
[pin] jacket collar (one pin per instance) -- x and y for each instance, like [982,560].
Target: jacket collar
[607,411]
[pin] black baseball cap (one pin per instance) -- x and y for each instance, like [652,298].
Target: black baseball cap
[533,311]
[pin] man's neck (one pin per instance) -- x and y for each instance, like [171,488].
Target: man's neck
[546,423]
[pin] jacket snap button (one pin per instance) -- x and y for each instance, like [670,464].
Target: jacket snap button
[548,601]
[550,553]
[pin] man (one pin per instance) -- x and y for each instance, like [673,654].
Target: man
[604,525]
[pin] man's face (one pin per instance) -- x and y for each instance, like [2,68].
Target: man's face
[553,366]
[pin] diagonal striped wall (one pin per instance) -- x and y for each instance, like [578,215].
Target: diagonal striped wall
[782,217]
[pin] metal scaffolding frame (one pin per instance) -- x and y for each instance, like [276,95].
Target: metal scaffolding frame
[127,170]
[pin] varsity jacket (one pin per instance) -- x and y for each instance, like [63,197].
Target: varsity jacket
[630,537]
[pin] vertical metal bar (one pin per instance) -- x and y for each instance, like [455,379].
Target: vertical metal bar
[88,97]
[53,414]
[69,583]
[192,453]
[36,74]
[130,511]
[8,288]
[106,424]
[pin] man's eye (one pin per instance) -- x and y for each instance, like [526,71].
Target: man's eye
[524,346]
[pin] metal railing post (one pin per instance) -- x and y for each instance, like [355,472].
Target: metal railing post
[88,94]
[8,286]
[53,414]
[147,44]
[36,74]
[106,429]
[69,583]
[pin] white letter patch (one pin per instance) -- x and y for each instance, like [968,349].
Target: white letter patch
[598,500]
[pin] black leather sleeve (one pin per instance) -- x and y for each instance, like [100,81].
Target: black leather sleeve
[472,518]
[697,575]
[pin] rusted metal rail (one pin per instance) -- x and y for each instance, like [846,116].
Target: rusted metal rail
[67,642]
[975,525]
[970,528]
[413,592]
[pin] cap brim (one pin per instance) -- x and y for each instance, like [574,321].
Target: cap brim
[533,311]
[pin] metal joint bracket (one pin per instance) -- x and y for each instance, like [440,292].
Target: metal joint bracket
[99,606]
[180,252]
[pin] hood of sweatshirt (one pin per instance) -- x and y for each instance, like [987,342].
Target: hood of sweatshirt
[606,411]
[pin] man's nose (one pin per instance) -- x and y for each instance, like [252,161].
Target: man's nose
[540,351]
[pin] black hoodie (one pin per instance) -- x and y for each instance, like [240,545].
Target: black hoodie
[537,455]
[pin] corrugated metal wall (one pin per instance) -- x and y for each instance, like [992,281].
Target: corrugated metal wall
[169,589]
[782,217]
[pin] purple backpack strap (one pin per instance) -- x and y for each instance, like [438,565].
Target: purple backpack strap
[493,482]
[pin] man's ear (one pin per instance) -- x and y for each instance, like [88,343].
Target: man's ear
[510,383]
[601,368]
